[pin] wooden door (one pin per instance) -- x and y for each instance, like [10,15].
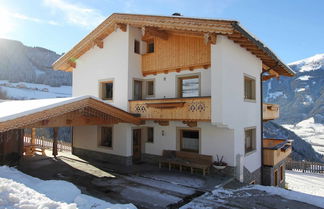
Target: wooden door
[137,145]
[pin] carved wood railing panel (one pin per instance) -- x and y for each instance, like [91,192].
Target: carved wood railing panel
[185,109]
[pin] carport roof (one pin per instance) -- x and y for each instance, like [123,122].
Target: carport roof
[24,113]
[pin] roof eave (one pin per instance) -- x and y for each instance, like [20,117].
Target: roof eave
[237,27]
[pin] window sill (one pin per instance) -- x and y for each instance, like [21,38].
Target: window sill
[104,147]
[149,142]
[250,153]
[250,100]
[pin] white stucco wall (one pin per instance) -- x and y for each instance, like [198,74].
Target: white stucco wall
[229,64]
[87,137]
[213,141]
[108,63]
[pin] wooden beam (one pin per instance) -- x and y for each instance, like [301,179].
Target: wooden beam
[99,43]
[72,64]
[121,26]
[190,123]
[55,138]
[162,122]
[267,77]
[150,31]
[33,136]
[210,38]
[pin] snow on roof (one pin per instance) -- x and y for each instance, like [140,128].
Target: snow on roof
[14,109]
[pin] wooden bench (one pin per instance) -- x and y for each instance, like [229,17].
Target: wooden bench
[186,159]
[31,150]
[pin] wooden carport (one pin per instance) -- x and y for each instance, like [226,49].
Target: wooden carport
[54,113]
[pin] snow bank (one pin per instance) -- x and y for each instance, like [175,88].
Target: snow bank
[297,181]
[18,190]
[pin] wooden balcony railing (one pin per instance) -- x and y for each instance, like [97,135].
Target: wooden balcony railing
[275,150]
[270,111]
[185,109]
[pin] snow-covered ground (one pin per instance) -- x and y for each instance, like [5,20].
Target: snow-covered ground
[23,90]
[309,183]
[311,132]
[18,190]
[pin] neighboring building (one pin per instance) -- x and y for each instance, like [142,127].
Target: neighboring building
[195,84]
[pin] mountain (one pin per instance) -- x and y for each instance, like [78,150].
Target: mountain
[302,150]
[302,96]
[301,100]
[20,63]
[26,73]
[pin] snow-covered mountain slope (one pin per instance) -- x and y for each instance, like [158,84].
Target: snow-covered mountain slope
[302,96]
[301,100]
[311,132]
[20,63]
[26,73]
[23,90]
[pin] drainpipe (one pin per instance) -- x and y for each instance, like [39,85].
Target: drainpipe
[261,102]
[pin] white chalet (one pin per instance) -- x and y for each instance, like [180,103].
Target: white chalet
[193,84]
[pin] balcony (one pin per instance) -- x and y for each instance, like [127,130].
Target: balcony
[183,109]
[270,111]
[275,150]
[176,53]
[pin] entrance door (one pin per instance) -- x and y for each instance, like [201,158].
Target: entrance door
[137,145]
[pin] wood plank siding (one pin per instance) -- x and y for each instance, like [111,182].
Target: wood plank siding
[175,54]
[275,150]
[270,111]
[185,109]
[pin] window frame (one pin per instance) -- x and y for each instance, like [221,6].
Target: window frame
[142,83]
[139,46]
[253,88]
[181,140]
[281,177]
[253,140]
[179,80]
[101,83]
[100,137]
[147,89]
[148,135]
[148,42]
[275,177]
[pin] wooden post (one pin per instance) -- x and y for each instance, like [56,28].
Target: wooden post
[33,136]
[55,136]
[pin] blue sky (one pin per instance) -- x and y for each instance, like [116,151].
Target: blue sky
[293,29]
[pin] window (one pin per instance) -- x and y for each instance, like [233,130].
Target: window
[250,140]
[282,170]
[138,90]
[189,140]
[106,137]
[137,48]
[150,46]
[275,178]
[189,86]
[150,88]
[106,90]
[150,134]
[249,88]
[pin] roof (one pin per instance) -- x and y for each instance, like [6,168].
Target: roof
[19,114]
[229,28]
